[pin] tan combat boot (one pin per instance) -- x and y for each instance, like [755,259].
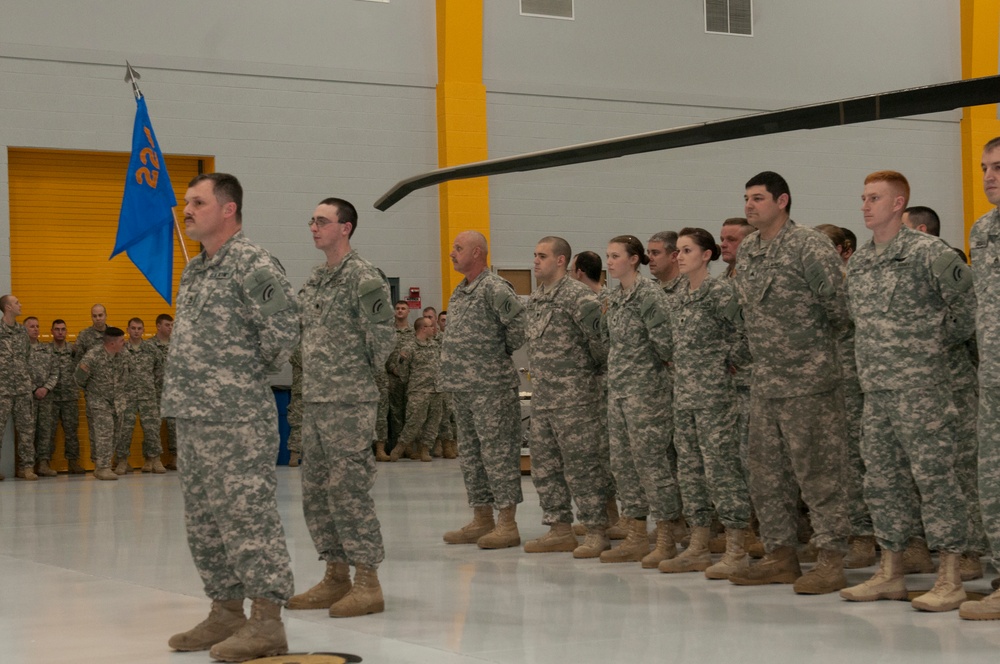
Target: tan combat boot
[482,523]
[413,451]
[26,473]
[336,583]
[619,529]
[825,577]
[104,474]
[425,454]
[75,468]
[595,542]
[947,593]
[917,557]
[666,545]
[695,558]
[755,548]
[734,559]
[294,459]
[969,565]
[158,467]
[397,451]
[778,566]
[505,534]
[633,548]
[887,583]
[560,538]
[147,465]
[861,552]
[45,470]
[122,468]
[380,454]
[450,449]
[263,635]
[224,620]
[438,450]
[365,596]
[718,543]
[987,609]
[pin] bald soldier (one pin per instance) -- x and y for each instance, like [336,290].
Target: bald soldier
[486,324]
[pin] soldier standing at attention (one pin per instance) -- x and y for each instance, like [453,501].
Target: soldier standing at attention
[65,400]
[984,250]
[566,351]
[145,377]
[486,324]
[88,338]
[346,338]
[396,384]
[421,362]
[911,298]
[103,375]
[16,387]
[789,279]
[161,342]
[44,376]
[662,252]
[227,423]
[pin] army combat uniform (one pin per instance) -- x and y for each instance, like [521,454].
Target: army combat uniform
[64,406]
[44,373]
[566,351]
[143,397]
[236,322]
[164,348]
[104,378]
[486,324]
[795,314]
[346,338]
[424,406]
[15,390]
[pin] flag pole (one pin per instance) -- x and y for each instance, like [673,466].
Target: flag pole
[132,76]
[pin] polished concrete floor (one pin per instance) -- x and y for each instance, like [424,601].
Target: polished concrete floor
[100,572]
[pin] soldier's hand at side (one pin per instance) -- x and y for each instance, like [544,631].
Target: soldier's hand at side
[40,393]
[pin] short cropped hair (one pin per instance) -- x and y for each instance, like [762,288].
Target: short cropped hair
[775,185]
[226,188]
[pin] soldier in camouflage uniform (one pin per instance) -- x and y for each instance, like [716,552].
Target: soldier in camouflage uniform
[236,323]
[789,281]
[294,412]
[161,342]
[420,365]
[65,405]
[734,231]
[911,298]
[486,324]
[446,444]
[984,250]
[16,387]
[640,409]
[145,378]
[103,374]
[566,351]
[88,338]
[44,376]
[397,385]
[707,328]
[346,338]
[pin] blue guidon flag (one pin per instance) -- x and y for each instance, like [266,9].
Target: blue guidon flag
[146,222]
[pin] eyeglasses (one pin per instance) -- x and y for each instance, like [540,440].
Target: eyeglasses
[322,222]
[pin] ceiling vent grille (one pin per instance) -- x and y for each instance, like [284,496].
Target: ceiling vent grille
[548,8]
[729,17]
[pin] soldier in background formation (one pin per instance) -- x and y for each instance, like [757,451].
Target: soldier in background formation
[346,339]
[419,366]
[143,398]
[396,383]
[44,376]
[16,386]
[446,445]
[161,341]
[103,374]
[63,403]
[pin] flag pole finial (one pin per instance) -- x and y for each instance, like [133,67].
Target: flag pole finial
[132,76]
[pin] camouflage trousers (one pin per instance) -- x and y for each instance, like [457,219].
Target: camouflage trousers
[171,435]
[743,427]
[446,429]
[798,444]
[382,416]
[640,435]
[50,414]
[908,444]
[294,415]
[23,410]
[709,470]
[423,418]
[148,411]
[988,430]
[106,422]
[397,408]
[967,465]
[489,445]
[854,469]
[227,476]
[566,465]
[337,478]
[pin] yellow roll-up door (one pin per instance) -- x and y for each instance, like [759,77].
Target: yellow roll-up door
[64,209]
